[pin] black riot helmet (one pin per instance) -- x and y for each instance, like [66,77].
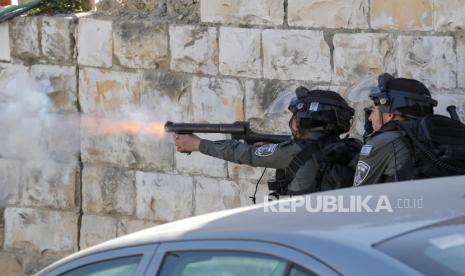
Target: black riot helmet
[321,109]
[406,97]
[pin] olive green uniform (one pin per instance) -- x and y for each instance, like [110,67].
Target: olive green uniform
[385,156]
[277,156]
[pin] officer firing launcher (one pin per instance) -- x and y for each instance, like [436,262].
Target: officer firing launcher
[238,130]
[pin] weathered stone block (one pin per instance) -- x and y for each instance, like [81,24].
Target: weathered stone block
[414,15]
[128,226]
[328,13]
[266,104]
[460,38]
[110,149]
[165,96]
[115,8]
[61,139]
[215,195]
[34,263]
[107,92]
[5,42]
[217,100]
[181,10]
[57,39]
[200,164]
[9,72]
[186,10]
[429,59]
[236,171]
[30,229]
[10,172]
[141,44]
[296,55]
[240,52]
[24,38]
[448,15]
[162,96]
[50,184]
[97,229]
[153,152]
[194,49]
[10,265]
[94,45]
[63,82]
[108,190]
[34,133]
[163,197]
[248,189]
[259,12]
[356,55]
[260,97]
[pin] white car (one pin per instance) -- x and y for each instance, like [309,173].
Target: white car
[405,228]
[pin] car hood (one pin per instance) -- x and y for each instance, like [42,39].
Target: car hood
[441,199]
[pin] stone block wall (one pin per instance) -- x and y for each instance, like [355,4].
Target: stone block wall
[229,61]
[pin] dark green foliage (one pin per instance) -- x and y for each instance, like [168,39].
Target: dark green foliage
[60,6]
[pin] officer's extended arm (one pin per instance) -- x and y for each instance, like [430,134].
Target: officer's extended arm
[270,156]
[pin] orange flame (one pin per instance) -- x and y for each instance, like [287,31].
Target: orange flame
[106,126]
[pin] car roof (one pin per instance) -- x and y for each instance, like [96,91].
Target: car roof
[441,198]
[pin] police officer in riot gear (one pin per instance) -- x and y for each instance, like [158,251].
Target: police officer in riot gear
[318,118]
[387,153]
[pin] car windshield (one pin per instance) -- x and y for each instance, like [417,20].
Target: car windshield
[435,250]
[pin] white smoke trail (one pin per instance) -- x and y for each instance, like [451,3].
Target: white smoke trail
[31,133]
[29,129]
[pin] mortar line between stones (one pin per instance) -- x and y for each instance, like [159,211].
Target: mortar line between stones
[329,37]
[194,187]
[81,211]
[457,59]
[285,19]
[168,42]
[81,165]
[262,56]
[39,36]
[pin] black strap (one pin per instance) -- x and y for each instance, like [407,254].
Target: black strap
[309,150]
[301,158]
[285,176]
[423,149]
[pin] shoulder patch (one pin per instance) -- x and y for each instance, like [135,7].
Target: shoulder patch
[266,150]
[361,173]
[366,150]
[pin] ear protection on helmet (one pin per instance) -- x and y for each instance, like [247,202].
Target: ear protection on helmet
[399,101]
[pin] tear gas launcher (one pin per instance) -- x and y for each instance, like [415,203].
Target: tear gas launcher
[238,130]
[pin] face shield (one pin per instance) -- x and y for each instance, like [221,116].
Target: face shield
[280,104]
[359,95]
[362,90]
[276,116]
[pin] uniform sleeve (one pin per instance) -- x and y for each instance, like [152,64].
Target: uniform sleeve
[276,156]
[380,160]
[370,169]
